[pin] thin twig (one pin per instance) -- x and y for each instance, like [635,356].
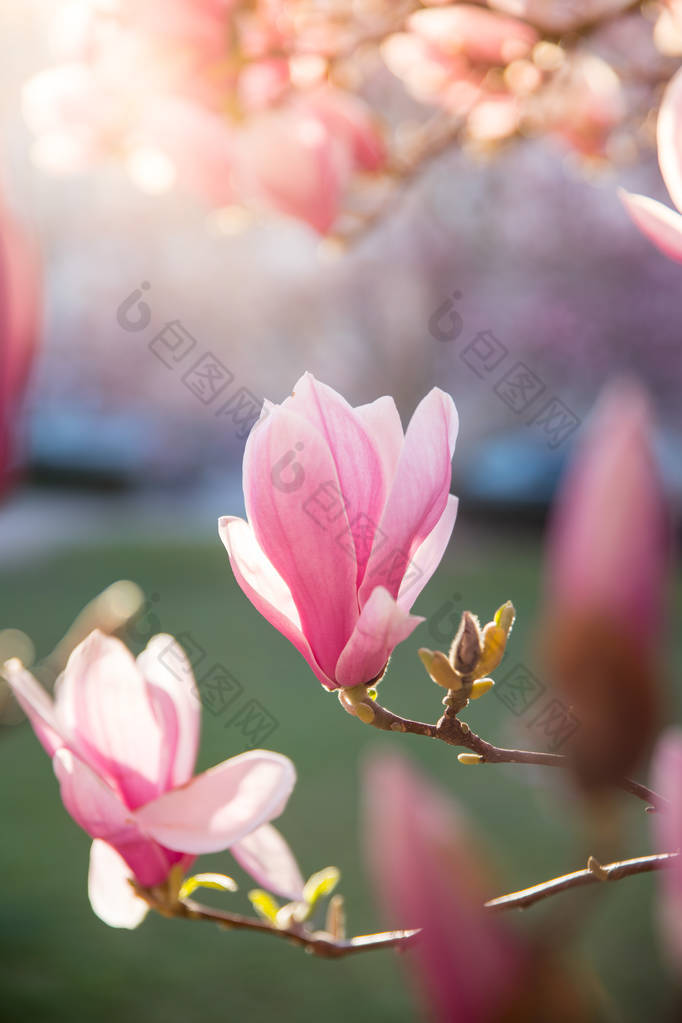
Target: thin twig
[451,730]
[592,874]
[318,943]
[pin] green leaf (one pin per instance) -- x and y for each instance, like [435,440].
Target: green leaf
[221,882]
[264,904]
[322,883]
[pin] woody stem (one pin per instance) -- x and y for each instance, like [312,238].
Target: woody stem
[319,943]
[592,874]
[451,730]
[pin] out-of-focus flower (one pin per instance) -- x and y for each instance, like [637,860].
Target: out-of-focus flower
[446,56]
[482,36]
[20,310]
[200,95]
[300,158]
[667,825]
[347,521]
[668,29]
[659,223]
[560,15]
[606,571]
[582,104]
[123,738]
[428,872]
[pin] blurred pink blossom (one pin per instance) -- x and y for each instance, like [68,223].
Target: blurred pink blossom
[560,15]
[659,223]
[608,541]
[20,313]
[123,738]
[446,54]
[428,872]
[667,825]
[217,100]
[605,587]
[347,521]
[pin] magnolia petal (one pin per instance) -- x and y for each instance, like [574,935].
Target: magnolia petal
[111,896]
[175,699]
[669,137]
[419,493]
[266,856]
[382,624]
[222,805]
[363,488]
[92,803]
[294,504]
[428,556]
[659,223]
[381,420]
[264,587]
[37,705]
[103,699]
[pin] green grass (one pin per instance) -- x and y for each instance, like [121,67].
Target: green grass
[57,961]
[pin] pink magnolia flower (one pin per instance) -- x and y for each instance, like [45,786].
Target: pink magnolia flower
[606,569]
[659,223]
[608,541]
[347,521]
[667,825]
[20,309]
[466,963]
[123,738]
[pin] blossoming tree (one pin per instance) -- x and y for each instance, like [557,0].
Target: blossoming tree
[266,104]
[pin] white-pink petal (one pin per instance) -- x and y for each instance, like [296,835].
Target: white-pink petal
[381,420]
[37,705]
[111,896]
[669,138]
[222,805]
[266,856]
[294,505]
[264,586]
[419,493]
[381,626]
[428,556]
[176,702]
[359,469]
[92,803]
[658,222]
[103,700]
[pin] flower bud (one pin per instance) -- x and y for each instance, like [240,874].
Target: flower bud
[605,581]
[467,645]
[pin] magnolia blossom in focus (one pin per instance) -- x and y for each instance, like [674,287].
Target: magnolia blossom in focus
[348,519]
[606,568]
[123,738]
[667,825]
[467,963]
[659,223]
[19,325]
